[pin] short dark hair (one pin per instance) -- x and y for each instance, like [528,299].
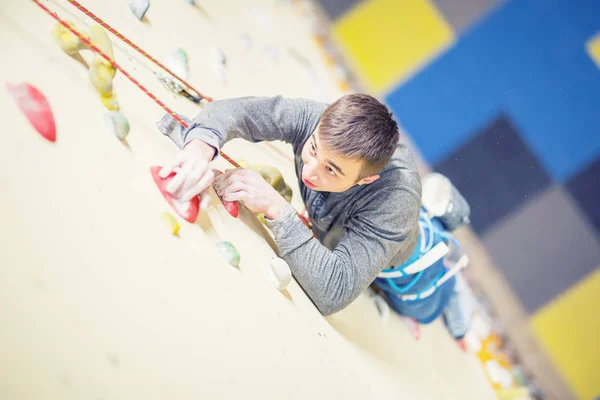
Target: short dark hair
[359,127]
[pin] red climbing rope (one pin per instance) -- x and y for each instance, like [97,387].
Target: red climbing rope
[114,64]
[127,75]
[132,45]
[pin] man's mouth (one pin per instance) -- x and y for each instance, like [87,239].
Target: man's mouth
[308,183]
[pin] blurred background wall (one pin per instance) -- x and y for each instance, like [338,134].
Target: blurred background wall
[503,97]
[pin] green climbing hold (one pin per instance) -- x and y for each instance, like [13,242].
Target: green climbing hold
[117,123]
[229,253]
[183,54]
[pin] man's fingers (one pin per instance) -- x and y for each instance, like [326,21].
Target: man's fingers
[199,187]
[193,178]
[204,200]
[181,206]
[174,186]
[237,196]
[167,169]
[234,187]
[234,171]
[230,171]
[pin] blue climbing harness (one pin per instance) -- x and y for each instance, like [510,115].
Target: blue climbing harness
[422,286]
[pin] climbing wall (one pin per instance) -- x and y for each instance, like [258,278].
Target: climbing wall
[99,300]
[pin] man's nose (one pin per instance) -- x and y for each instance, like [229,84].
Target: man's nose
[311,170]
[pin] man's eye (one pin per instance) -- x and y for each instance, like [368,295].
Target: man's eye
[330,171]
[312,148]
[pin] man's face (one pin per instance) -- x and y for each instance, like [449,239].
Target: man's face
[325,171]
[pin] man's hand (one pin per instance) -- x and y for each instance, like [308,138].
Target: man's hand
[249,187]
[193,175]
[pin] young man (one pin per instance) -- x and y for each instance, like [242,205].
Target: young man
[359,183]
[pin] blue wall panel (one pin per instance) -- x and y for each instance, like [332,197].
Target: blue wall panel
[527,60]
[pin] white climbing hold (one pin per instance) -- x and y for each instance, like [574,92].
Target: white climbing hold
[278,272]
[218,56]
[383,308]
[218,64]
[246,40]
[271,52]
[380,304]
[139,7]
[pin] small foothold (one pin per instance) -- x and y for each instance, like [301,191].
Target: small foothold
[218,64]
[220,72]
[36,108]
[188,211]
[183,54]
[272,52]
[246,40]
[178,63]
[171,222]
[232,207]
[229,253]
[262,218]
[117,123]
[383,308]
[218,56]
[101,40]
[101,77]
[413,327]
[110,101]
[139,7]
[278,272]
[462,344]
[66,40]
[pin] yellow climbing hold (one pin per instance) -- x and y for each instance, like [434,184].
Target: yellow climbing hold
[66,40]
[101,77]
[171,222]
[273,177]
[110,101]
[100,39]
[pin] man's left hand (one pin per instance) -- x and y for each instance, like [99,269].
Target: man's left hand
[249,188]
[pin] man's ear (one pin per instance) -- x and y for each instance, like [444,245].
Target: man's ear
[368,179]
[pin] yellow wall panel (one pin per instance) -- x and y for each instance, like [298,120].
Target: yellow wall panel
[569,329]
[593,49]
[387,40]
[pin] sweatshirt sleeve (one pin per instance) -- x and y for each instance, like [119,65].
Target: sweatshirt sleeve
[255,119]
[376,232]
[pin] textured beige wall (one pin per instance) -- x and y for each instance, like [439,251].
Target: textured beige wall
[99,301]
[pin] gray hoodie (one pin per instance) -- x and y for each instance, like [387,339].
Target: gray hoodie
[358,232]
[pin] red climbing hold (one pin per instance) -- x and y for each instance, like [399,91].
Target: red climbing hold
[232,207]
[35,107]
[191,213]
[462,344]
[413,327]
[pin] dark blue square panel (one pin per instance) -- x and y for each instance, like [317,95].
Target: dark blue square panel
[585,190]
[495,172]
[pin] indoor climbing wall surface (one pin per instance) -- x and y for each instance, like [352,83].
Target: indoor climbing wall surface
[507,107]
[98,299]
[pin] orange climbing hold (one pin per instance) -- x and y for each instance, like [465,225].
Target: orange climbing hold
[35,107]
[188,211]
